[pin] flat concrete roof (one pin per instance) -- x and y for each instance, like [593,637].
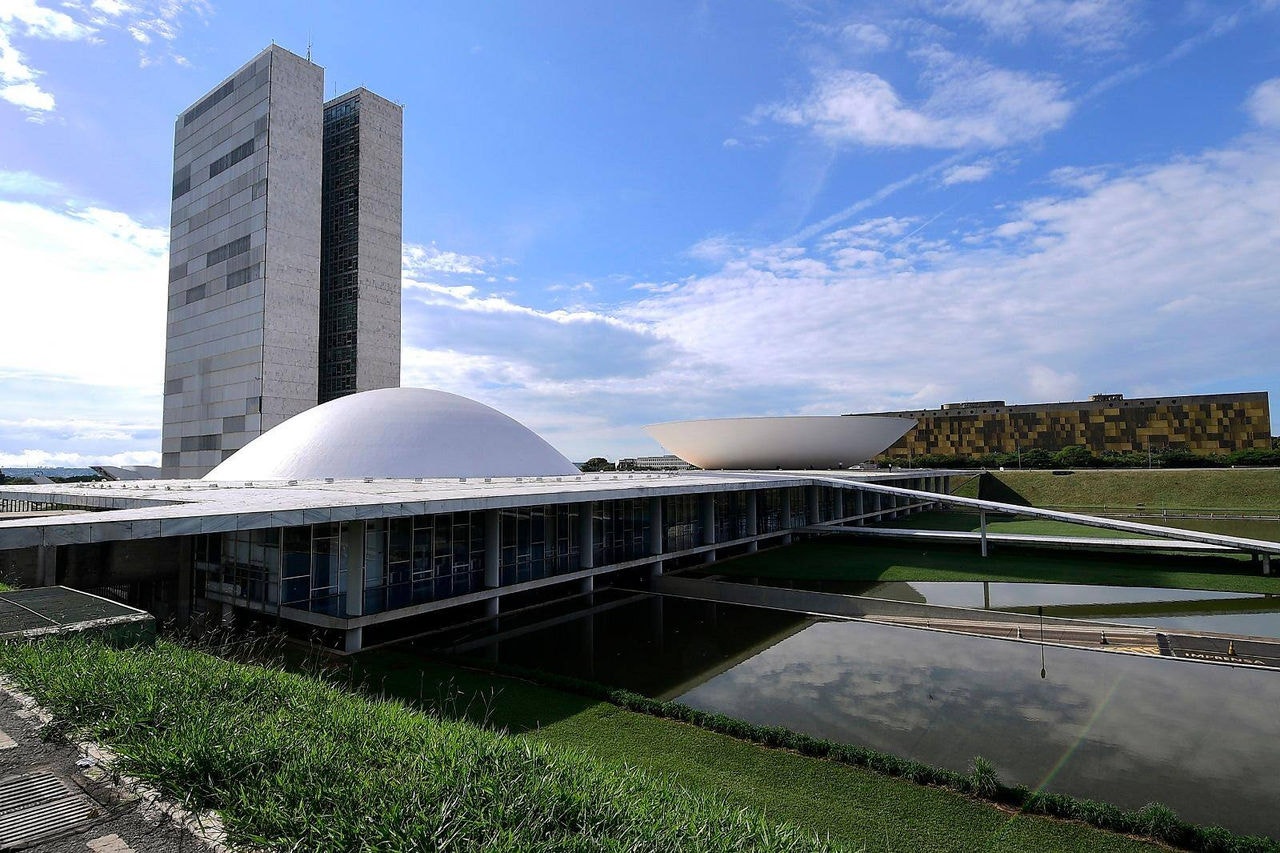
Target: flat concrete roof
[121,511]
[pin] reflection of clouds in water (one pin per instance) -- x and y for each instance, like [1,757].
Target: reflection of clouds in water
[1132,729]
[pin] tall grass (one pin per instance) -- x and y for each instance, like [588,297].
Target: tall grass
[295,763]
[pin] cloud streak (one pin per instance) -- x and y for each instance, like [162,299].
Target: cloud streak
[149,23]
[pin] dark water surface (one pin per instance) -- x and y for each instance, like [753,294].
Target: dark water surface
[1203,739]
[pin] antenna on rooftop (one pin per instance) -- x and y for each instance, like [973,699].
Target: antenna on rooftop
[308,45]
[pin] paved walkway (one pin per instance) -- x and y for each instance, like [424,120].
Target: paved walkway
[55,798]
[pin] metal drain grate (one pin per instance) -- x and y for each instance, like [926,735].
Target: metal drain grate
[37,805]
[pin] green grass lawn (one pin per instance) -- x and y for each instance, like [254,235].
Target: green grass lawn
[293,763]
[1209,488]
[845,559]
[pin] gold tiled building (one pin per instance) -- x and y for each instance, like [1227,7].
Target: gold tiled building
[1203,423]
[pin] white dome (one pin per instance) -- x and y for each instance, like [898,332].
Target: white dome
[395,432]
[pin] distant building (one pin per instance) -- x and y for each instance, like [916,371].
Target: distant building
[654,463]
[284,257]
[1203,423]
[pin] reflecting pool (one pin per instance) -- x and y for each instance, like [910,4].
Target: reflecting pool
[1203,739]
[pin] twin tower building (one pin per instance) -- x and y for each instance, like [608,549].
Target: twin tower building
[284,256]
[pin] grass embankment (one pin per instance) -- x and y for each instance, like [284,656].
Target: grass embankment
[296,764]
[1216,489]
[839,559]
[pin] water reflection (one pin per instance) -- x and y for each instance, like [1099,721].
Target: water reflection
[652,644]
[1124,729]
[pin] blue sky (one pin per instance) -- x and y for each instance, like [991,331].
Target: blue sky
[645,212]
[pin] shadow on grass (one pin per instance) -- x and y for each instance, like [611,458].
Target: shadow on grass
[992,488]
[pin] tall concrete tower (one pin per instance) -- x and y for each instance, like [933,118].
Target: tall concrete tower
[247,334]
[360,254]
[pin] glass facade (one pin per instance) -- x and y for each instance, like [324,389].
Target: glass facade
[411,560]
[731,516]
[424,558]
[339,249]
[799,506]
[539,542]
[826,504]
[681,522]
[769,511]
[620,530]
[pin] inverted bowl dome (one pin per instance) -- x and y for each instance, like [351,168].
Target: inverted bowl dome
[395,432]
[791,443]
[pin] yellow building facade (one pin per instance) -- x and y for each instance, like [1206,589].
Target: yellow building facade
[1203,423]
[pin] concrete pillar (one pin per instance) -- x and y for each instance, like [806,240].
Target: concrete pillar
[492,606]
[709,525]
[351,555]
[857,506]
[354,639]
[1266,564]
[47,565]
[811,504]
[492,549]
[656,527]
[753,521]
[837,503]
[586,536]
[587,584]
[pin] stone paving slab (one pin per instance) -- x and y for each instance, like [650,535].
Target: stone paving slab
[111,817]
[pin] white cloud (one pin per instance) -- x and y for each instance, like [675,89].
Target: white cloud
[1012,229]
[1264,103]
[1128,281]
[55,459]
[17,79]
[32,19]
[969,173]
[29,96]
[74,21]
[91,306]
[717,248]
[1098,25]
[969,104]
[866,37]
[27,184]
[426,260]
